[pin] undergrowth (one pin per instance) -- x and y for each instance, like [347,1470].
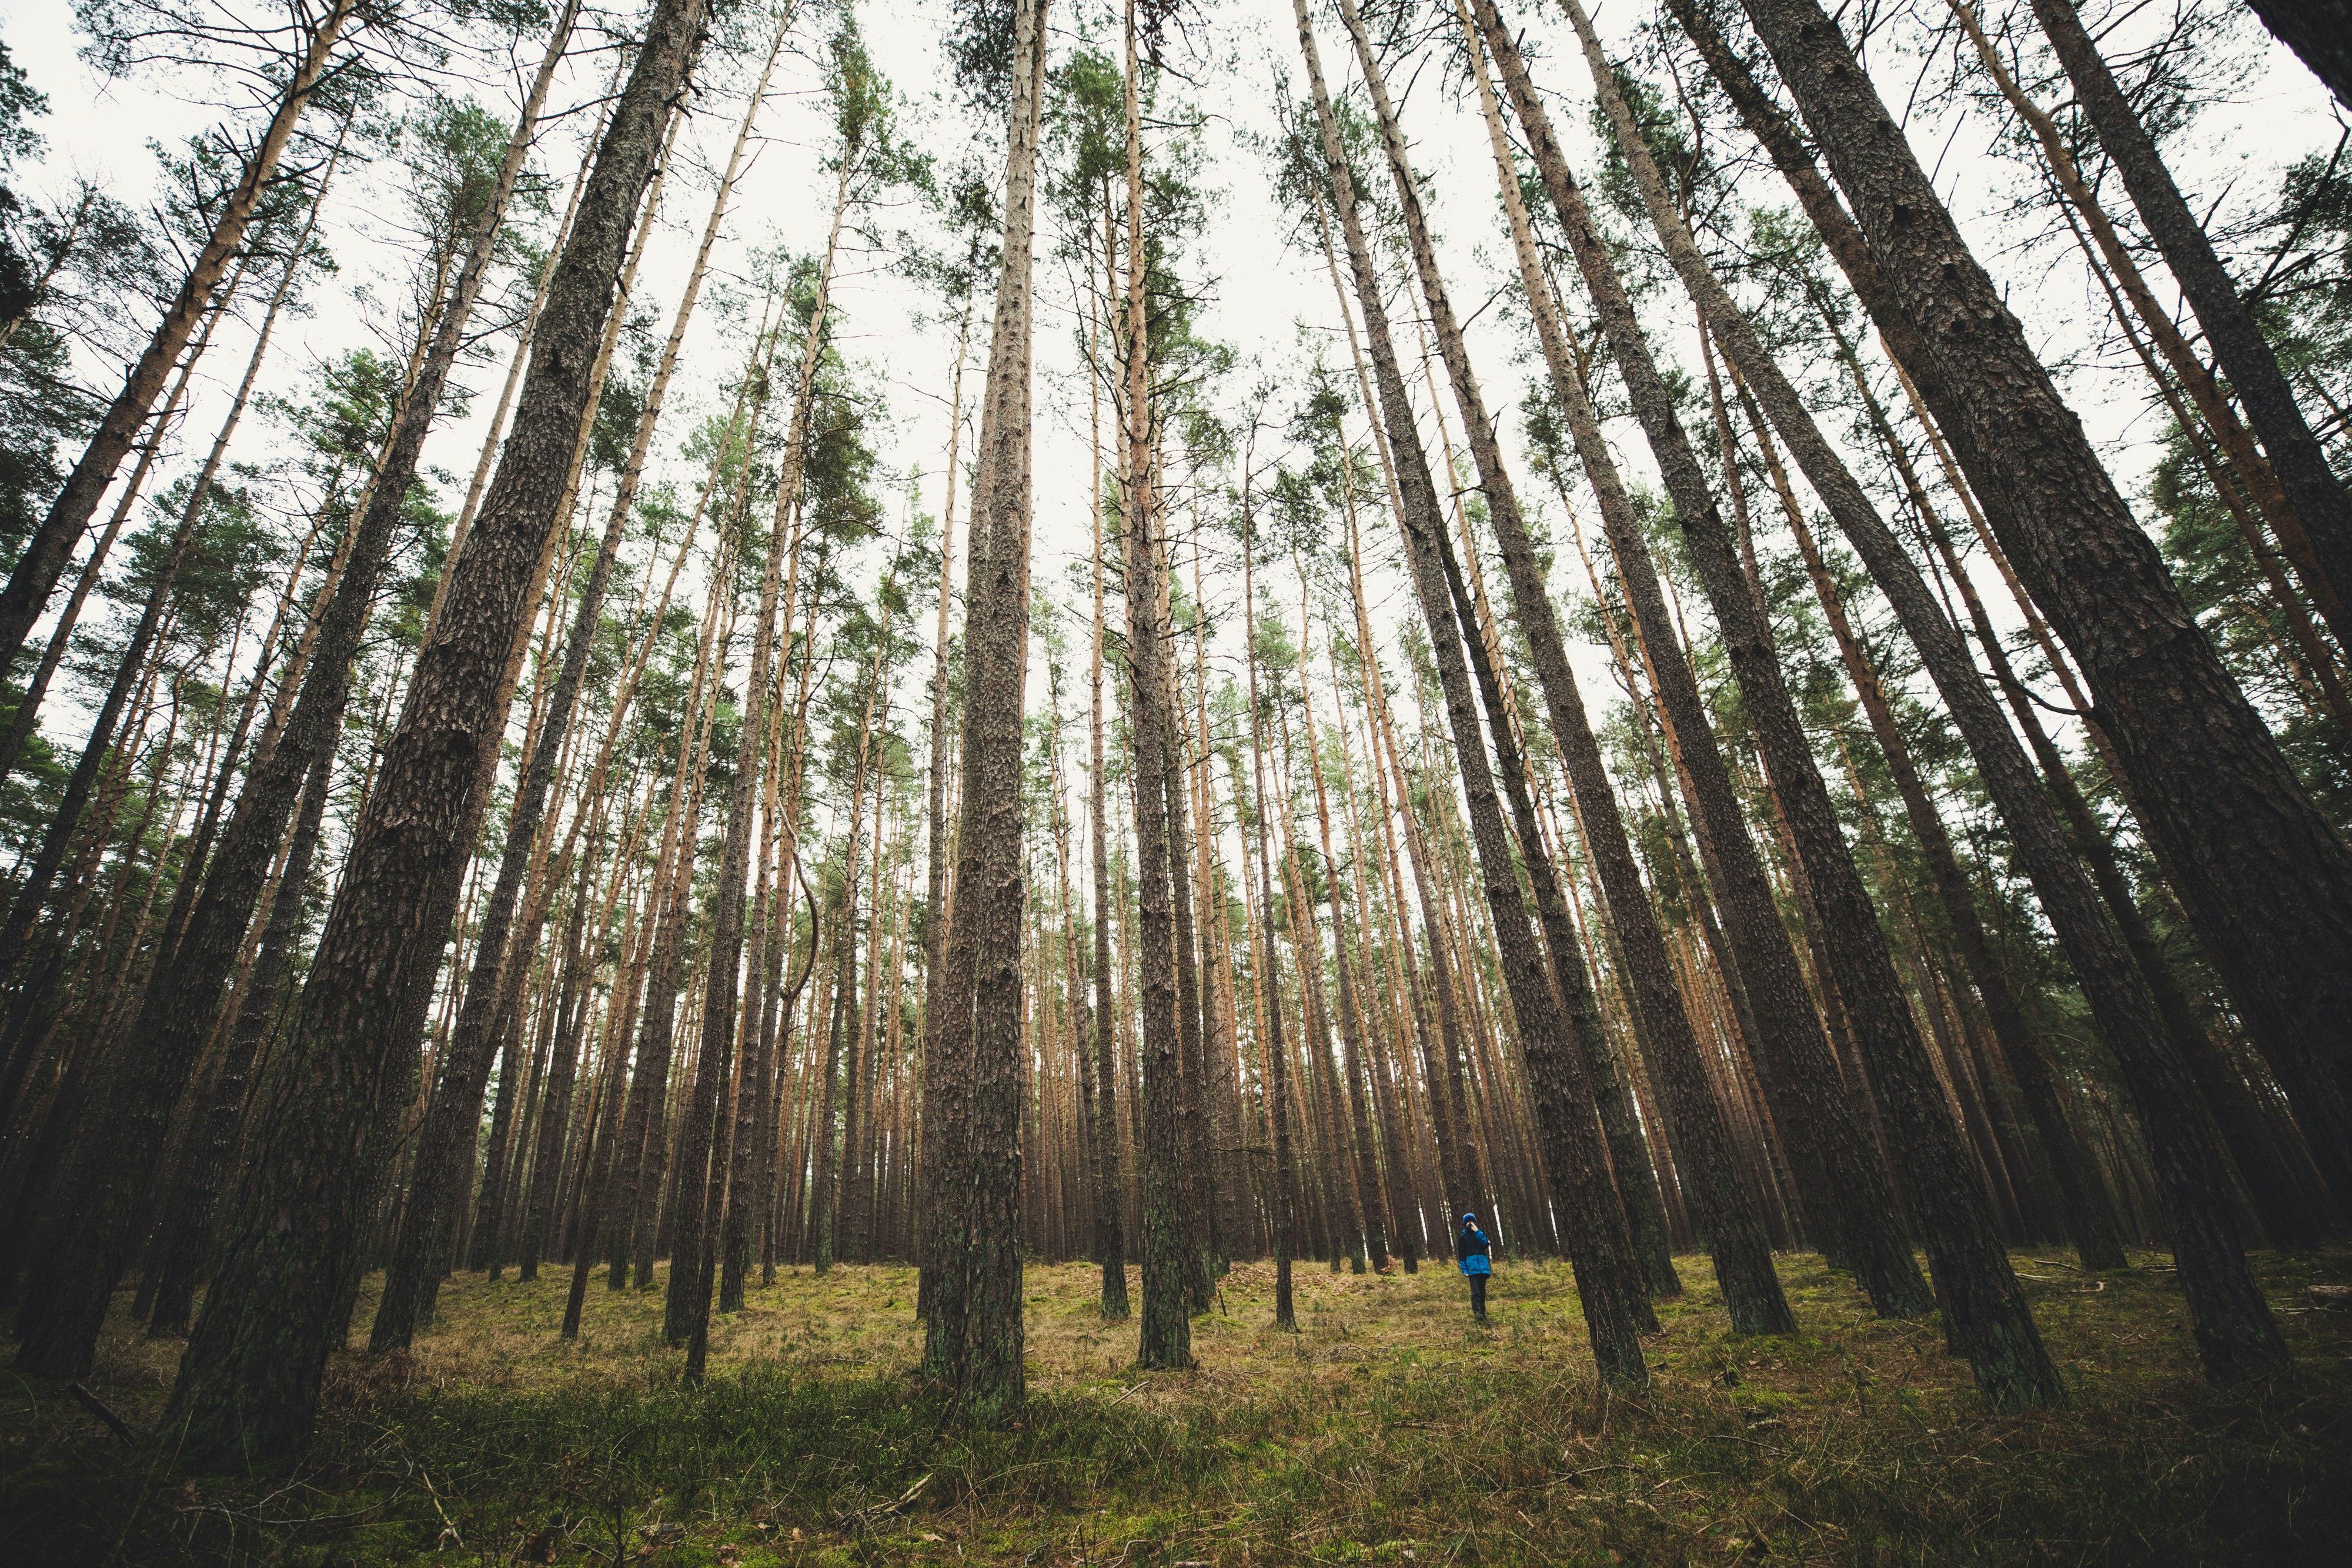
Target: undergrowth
[1389,1429]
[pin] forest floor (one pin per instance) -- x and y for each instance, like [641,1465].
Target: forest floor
[1389,1429]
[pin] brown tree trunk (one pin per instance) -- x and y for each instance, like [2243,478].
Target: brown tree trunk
[2268,879]
[1608,1280]
[190,1225]
[1274,1051]
[1110,1234]
[502,954]
[974,1332]
[934,905]
[249,1383]
[1728,1214]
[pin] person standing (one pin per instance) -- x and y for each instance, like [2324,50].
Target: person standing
[1472,1250]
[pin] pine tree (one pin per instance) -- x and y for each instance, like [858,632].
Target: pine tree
[249,1381]
[2268,879]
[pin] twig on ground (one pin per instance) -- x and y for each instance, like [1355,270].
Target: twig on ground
[98,1407]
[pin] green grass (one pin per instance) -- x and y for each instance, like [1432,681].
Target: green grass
[1389,1429]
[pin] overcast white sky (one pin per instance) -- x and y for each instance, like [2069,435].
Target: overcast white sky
[1263,292]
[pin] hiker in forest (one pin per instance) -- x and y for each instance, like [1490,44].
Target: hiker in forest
[1472,1248]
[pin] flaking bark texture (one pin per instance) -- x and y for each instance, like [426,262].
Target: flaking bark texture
[502,952]
[1166,1328]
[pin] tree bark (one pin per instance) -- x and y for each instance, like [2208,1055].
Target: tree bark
[1274,1052]
[2269,881]
[250,1382]
[1608,1282]
[974,1332]
[1110,1233]
[45,555]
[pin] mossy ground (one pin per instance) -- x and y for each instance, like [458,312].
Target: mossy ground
[1387,1429]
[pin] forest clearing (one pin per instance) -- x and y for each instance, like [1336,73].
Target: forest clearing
[1176,781]
[1387,1429]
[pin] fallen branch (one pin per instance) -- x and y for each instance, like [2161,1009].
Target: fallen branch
[907,1496]
[98,1407]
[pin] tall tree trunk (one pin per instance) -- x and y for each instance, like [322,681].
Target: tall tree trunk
[2268,879]
[645,1141]
[1358,1152]
[106,1193]
[687,1305]
[1166,1340]
[1636,1182]
[169,1030]
[1608,1282]
[1110,1233]
[754,1090]
[2086,1213]
[250,1382]
[2308,1076]
[45,555]
[974,1336]
[1341,1195]
[935,922]
[502,954]
[1444,1115]
[188,1229]
[1275,1053]
[1191,1149]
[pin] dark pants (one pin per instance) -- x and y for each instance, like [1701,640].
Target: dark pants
[1478,1296]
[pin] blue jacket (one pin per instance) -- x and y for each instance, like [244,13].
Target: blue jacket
[1471,1247]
